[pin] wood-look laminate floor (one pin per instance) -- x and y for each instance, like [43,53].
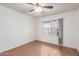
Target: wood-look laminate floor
[38,48]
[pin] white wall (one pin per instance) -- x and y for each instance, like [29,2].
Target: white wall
[15,29]
[69,34]
[77,30]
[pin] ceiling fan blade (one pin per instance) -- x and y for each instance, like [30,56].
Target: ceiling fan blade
[49,7]
[30,3]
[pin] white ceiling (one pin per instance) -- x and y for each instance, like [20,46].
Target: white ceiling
[57,8]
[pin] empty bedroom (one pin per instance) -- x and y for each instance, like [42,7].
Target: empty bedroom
[39,29]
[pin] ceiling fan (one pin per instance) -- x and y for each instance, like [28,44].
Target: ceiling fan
[38,7]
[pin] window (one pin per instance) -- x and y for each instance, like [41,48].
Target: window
[54,28]
[50,27]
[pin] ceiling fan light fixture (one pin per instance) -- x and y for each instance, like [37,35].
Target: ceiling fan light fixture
[38,9]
